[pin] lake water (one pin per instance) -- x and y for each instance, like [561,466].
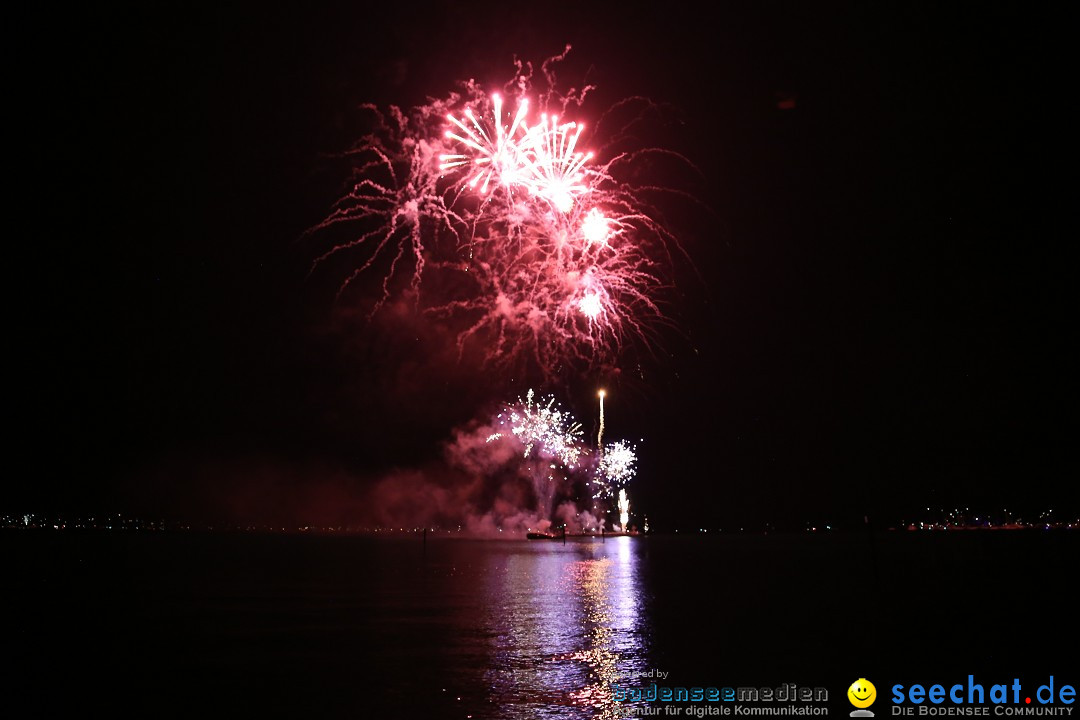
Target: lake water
[247,624]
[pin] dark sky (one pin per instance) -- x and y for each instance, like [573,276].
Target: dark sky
[881,321]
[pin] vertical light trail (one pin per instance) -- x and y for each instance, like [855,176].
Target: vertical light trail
[624,509]
[600,435]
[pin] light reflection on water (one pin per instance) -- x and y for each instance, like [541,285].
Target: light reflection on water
[567,623]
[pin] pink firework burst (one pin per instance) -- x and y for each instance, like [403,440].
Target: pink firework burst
[515,233]
[491,155]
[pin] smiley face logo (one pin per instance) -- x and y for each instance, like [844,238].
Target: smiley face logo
[862,693]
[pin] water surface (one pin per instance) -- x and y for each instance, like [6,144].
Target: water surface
[355,626]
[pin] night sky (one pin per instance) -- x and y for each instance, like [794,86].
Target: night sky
[879,318]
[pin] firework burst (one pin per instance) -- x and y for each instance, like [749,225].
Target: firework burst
[554,457]
[616,468]
[553,260]
[544,427]
[492,156]
[550,443]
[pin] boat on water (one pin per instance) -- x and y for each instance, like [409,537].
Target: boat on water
[544,536]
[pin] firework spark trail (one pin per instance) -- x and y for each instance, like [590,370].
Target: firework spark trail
[554,261]
[600,433]
[394,194]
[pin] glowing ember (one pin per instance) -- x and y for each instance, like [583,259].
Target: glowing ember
[595,227]
[590,305]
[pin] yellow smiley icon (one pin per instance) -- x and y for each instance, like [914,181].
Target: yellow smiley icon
[862,693]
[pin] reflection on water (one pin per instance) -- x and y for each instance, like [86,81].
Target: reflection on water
[565,623]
